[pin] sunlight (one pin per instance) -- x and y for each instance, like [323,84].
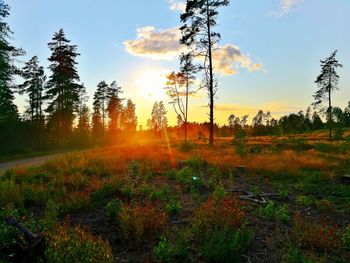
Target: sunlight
[151,83]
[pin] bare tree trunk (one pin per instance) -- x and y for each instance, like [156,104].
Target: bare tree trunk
[186,110]
[330,114]
[211,82]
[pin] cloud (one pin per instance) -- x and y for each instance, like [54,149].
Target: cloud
[161,44]
[287,6]
[229,59]
[177,6]
[164,45]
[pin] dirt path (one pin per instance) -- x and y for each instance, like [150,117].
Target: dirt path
[26,162]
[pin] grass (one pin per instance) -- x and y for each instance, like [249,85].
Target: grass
[151,202]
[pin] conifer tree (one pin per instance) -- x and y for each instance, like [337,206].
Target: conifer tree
[327,82]
[197,33]
[63,89]
[8,110]
[34,86]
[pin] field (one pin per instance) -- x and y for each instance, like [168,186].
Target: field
[260,199]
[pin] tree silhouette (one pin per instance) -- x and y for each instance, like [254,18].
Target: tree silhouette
[114,107]
[8,110]
[158,120]
[63,90]
[129,120]
[197,33]
[327,82]
[34,86]
[101,100]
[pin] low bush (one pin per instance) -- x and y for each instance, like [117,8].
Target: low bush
[76,245]
[271,212]
[346,238]
[173,207]
[323,235]
[225,245]
[163,252]
[142,219]
[113,209]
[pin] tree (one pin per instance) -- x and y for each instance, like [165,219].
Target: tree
[327,82]
[100,100]
[158,120]
[114,107]
[33,86]
[8,110]
[63,90]
[197,33]
[129,123]
[84,119]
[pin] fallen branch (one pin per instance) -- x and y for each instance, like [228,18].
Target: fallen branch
[257,198]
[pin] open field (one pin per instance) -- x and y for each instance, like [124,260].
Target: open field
[267,199]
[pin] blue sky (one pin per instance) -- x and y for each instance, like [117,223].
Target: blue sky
[269,59]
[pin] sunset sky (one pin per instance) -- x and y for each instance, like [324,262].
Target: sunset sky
[268,58]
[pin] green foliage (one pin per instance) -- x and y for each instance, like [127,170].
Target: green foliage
[113,209]
[163,194]
[188,177]
[271,212]
[294,255]
[173,207]
[75,245]
[303,200]
[225,245]
[10,193]
[284,193]
[51,215]
[346,238]
[219,193]
[163,252]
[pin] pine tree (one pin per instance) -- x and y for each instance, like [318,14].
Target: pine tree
[197,33]
[158,120]
[33,86]
[129,122]
[114,107]
[327,82]
[8,110]
[101,100]
[63,90]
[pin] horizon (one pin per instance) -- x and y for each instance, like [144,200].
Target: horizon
[256,75]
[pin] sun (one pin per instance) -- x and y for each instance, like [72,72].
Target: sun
[151,83]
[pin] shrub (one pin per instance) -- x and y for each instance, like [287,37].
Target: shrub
[10,193]
[113,209]
[346,238]
[188,177]
[210,215]
[302,200]
[74,202]
[225,245]
[76,245]
[163,252]
[324,205]
[173,207]
[142,219]
[294,255]
[271,212]
[322,235]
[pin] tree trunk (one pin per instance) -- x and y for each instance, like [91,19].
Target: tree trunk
[211,82]
[330,113]
[186,110]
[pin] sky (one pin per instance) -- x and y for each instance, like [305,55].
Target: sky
[268,56]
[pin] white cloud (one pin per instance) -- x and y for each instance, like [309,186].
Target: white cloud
[175,5]
[155,44]
[287,6]
[164,45]
[229,59]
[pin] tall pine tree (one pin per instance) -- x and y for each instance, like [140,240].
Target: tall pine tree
[197,33]
[33,86]
[63,87]
[8,110]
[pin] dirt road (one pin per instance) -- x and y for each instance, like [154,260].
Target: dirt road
[26,162]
